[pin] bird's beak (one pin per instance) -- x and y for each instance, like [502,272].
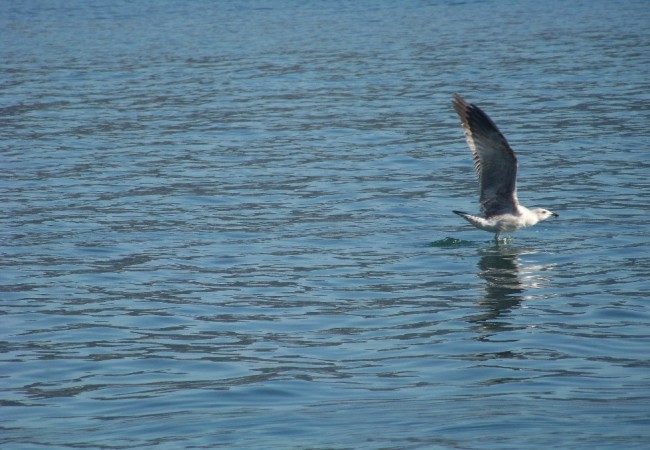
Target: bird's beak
[555,214]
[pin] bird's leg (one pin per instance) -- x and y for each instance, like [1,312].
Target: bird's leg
[496,237]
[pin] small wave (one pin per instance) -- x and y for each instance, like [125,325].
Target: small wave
[450,242]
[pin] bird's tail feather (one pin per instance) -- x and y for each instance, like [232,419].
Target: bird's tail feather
[477,221]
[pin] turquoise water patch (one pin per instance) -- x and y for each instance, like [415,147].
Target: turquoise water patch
[450,242]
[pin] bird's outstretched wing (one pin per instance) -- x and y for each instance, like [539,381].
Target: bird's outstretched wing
[494,160]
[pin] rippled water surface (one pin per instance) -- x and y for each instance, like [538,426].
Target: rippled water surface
[228,225]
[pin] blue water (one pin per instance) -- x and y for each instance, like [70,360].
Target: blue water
[228,225]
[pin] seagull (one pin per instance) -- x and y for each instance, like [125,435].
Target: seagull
[496,167]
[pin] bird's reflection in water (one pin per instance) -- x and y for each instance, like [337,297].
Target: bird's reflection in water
[499,266]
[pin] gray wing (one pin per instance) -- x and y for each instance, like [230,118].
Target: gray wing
[494,160]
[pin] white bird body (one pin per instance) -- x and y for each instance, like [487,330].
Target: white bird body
[507,223]
[496,167]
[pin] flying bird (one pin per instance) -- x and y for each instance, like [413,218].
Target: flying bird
[496,167]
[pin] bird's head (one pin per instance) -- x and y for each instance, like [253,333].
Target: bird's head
[543,214]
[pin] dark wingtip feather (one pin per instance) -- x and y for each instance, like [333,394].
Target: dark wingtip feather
[460,105]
